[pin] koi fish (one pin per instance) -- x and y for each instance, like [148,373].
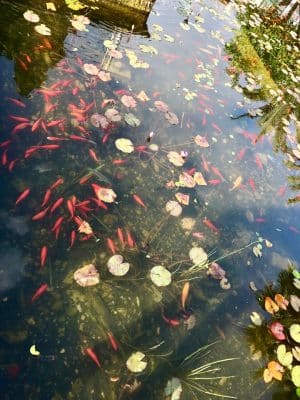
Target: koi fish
[216,127]
[252,184]
[258,162]
[42,289]
[12,164]
[46,197]
[57,223]
[112,341]
[119,162]
[70,208]
[55,122]
[43,255]
[198,235]
[210,225]
[84,179]
[4,158]
[293,229]
[184,294]
[18,119]
[130,241]
[20,127]
[81,139]
[72,238]
[22,64]
[40,214]
[204,164]
[93,155]
[214,181]
[120,236]
[36,124]
[17,102]
[5,143]
[237,183]
[58,182]
[216,171]
[57,204]
[138,200]
[93,356]
[111,245]
[172,322]
[22,196]
[241,153]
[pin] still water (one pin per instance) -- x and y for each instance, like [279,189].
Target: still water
[129,133]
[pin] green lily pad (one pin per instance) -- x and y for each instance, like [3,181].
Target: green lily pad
[285,358]
[132,120]
[295,373]
[295,333]
[135,362]
[160,276]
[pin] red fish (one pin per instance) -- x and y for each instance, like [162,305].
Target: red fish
[119,162]
[216,127]
[70,208]
[111,245]
[281,190]
[81,139]
[241,153]
[57,204]
[46,197]
[293,229]
[252,184]
[84,179]
[58,182]
[22,196]
[42,289]
[57,223]
[216,171]
[138,200]
[72,238]
[12,164]
[112,341]
[258,162]
[36,124]
[210,225]
[40,214]
[93,356]
[19,119]
[120,236]
[99,203]
[130,241]
[214,181]
[204,164]
[20,127]
[4,158]
[17,102]
[260,220]
[172,322]
[5,143]
[55,122]
[93,155]
[43,255]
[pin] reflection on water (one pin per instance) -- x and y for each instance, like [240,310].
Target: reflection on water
[113,144]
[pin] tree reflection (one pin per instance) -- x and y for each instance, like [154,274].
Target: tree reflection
[266,50]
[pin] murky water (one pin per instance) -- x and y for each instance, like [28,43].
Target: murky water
[167,90]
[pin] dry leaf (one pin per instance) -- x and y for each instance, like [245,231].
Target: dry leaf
[183,198]
[199,179]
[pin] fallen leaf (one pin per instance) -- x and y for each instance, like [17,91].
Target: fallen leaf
[285,358]
[115,54]
[256,318]
[175,158]
[237,183]
[132,120]
[183,198]
[270,306]
[201,141]
[75,5]
[50,6]
[295,302]
[31,16]
[42,29]
[281,301]
[173,389]
[171,118]
[186,180]
[225,284]
[104,194]
[109,44]
[85,228]
[199,179]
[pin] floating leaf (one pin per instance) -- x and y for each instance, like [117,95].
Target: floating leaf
[173,208]
[185,26]
[124,145]
[42,29]
[173,389]
[128,101]
[256,318]
[90,69]
[116,266]
[295,302]
[270,306]
[85,228]
[277,330]
[171,118]
[183,198]
[225,284]
[99,120]
[131,120]
[257,251]
[113,115]
[157,27]
[268,243]
[87,275]
[75,5]
[199,179]
[104,194]
[34,351]
[198,256]
[109,44]
[115,54]
[161,106]
[148,49]
[281,301]
[296,153]
[135,362]
[296,352]
[295,332]
[274,370]
[104,76]
[186,180]
[160,276]
[285,358]
[296,274]
[175,158]
[31,16]
[50,6]
[201,141]
[295,373]
[296,283]
[79,22]
[169,38]
[142,96]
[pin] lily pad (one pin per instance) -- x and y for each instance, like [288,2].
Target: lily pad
[175,158]
[173,208]
[198,256]
[173,388]
[135,362]
[171,118]
[160,276]
[295,302]
[132,120]
[99,121]
[285,358]
[113,115]
[201,141]
[128,101]
[256,318]
[87,275]
[124,145]
[296,375]
[161,106]
[116,266]
[42,29]
[295,332]
[90,69]
[31,16]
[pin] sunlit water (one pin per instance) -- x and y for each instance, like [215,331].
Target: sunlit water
[187,70]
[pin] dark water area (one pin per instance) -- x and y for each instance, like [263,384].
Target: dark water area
[133,131]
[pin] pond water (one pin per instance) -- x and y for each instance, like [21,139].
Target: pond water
[68,102]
